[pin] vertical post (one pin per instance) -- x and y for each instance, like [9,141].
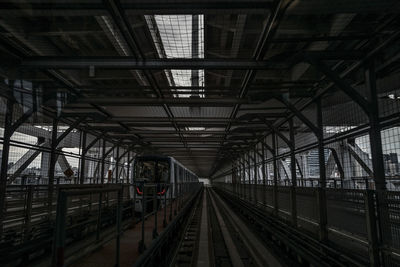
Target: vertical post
[52,166]
[237,177]
[275,163]
[103,158]
[83,156]
[249,173]
[28,212]
[155,207]
[233,178]
[128,167]
[293,174]
[244,177]
[142,245]
[235,169]
[237,174]
[240,173]
[99,221]
[117,166]
[4,157]
[264,171]
[134,203]
[321,193]
[58,252]
[377,156]
[165,207]
[119,218]
[373,240]
[255,175]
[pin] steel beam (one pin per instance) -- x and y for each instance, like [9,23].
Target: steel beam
[25,160]
[249,174]
[10,8]
[276,130]
[103,158]
[24,117]
[264,171]
[338,164]
[52,165]
[83,159]
[70,128]
[9,128]
[339,82]
[321,194]
[138,63]
[255,174]
[128,167]
[293,175]
[275,164]
[5,155]
[132,63]
[299,115]
[117,166]
[378,167]
[126,101]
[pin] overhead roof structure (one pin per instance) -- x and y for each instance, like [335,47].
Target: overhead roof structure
[197,80]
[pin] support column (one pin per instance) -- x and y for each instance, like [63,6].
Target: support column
[5,156]
[377,163]
[244,177]
[44,166]
[264,171]
[275,188]
[128,167]
[52,166]
[103,158]
[293,174]
[321,194]
[83,156]
[255,175]
[117,166]
[249,173]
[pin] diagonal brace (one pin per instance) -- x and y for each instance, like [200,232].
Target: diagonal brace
[341,84]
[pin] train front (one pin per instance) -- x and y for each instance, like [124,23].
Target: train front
[151,181]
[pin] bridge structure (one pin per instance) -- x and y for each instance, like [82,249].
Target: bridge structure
[288,111]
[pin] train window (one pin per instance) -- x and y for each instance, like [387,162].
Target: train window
[145,169]
[152,170]
[162,172]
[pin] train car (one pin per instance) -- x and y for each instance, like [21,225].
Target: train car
[163,172]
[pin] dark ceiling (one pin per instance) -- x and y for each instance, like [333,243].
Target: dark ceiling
[261,63]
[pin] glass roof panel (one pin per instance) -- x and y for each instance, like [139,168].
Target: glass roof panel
[179,36]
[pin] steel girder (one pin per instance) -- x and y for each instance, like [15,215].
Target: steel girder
[128,62]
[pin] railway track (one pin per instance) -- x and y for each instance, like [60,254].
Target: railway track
[295,246]
[242,245]
[216,236]
[186,253]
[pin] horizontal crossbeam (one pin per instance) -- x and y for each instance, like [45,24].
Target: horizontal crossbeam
[119,62]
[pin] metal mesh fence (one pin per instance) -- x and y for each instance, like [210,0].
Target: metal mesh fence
[307,210]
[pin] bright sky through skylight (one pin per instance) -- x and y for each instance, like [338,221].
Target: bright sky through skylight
[176,32]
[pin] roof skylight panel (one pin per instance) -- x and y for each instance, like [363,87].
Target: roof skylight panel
[176,34]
